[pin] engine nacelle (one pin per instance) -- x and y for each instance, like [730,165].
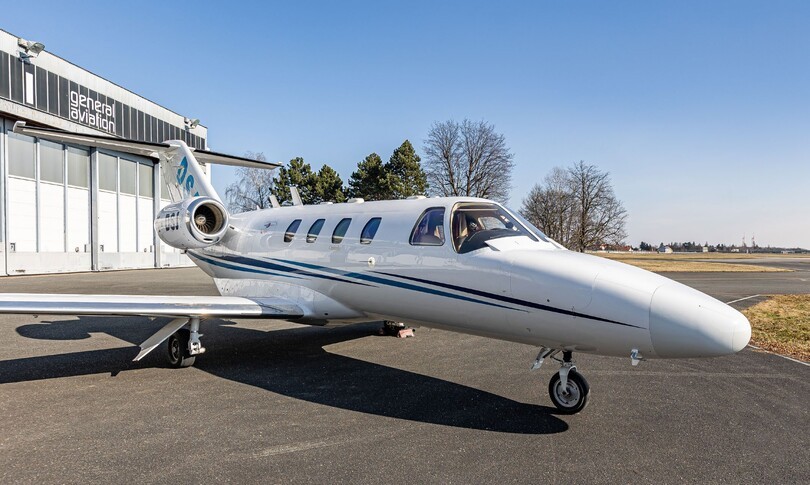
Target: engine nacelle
[194,223]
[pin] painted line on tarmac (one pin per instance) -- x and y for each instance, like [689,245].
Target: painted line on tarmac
[780,355]
[742,299]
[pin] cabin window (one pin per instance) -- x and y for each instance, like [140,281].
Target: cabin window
[429,230]
[340,230]
[314,230]
[289,234]
[476,223]
[369,230]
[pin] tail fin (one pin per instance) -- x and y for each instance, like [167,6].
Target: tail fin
[183,174]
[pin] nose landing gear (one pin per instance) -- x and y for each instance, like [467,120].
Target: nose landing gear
[567,389]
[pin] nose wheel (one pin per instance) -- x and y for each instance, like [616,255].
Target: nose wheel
[567,389]
[571,397]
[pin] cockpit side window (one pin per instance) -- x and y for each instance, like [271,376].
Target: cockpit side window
[314,230]
[429,229]
[289,234]
[475,223]
[340,230]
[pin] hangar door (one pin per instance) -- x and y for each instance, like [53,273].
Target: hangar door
[3,270]
[47,206]
[125,211]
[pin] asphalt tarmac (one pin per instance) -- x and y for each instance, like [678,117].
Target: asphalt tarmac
[274,402]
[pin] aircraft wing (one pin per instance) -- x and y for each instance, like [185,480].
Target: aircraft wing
[149,305]
[182,309]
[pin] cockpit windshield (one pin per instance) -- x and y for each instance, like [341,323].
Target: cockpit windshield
[475,223]
[528,225]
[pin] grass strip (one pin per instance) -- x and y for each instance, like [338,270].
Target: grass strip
[670,263]
[781,324]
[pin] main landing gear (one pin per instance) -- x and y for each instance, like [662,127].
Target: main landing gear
[568,389]
[183,337]
[184,345]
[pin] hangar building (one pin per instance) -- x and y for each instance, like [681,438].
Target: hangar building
[73,208]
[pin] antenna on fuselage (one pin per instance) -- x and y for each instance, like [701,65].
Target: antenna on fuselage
[296,197]
[274,202]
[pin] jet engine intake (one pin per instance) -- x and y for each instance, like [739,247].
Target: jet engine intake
[194,223]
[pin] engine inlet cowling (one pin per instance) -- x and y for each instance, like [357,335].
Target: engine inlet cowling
[193,223]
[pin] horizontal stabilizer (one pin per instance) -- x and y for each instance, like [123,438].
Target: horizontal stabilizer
[136,147]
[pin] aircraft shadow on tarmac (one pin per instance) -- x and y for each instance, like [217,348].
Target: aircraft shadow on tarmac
[291,362]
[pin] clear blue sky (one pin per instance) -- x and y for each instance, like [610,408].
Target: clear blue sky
[699,110]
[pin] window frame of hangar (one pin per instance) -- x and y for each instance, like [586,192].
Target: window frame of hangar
[372,226]
[36,161]
[337,239]
[136,194]
[418,223]
[313,232]
[289,234]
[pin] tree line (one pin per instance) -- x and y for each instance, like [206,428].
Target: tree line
[576,206]
[402,176]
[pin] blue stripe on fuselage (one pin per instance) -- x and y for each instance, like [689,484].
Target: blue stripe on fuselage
[507,299]
[216,262]
[471,291]
[394,283]
[276,269]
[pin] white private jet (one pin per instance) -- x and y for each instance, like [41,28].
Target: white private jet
[462,264]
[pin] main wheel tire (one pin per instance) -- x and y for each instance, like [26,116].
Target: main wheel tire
[178,349]
[574,397]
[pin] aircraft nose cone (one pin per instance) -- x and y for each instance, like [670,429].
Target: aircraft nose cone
[742,334]
[687,323]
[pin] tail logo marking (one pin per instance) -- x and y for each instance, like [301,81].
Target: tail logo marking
[182,173]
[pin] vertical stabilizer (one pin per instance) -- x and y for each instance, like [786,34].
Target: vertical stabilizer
[183,174]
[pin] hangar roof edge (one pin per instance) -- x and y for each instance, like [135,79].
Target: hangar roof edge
[3,31]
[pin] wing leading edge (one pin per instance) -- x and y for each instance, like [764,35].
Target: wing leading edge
[149,306]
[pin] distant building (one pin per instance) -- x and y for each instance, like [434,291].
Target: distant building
[615,248]
[65,207]
[664,249]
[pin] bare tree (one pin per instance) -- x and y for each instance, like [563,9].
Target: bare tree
[550,206]
[252,187]
[468,159]
[600,217]
[577,207]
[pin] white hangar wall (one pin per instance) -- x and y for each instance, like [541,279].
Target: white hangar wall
[72,208]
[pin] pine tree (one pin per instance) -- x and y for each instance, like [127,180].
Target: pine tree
[406,174]
[299,174]
[371,180]
[329,186]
